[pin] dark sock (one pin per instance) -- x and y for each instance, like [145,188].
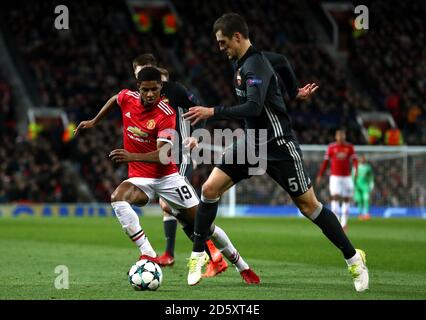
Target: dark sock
[203,220]
[170,233]
[189,231]
[332,229]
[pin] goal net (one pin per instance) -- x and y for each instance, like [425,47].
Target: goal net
[399,172]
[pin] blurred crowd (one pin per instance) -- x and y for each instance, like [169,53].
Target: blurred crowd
[79,69]
[391,61]
[30,170]
[314,121]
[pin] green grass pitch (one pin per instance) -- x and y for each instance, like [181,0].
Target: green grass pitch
[291,255]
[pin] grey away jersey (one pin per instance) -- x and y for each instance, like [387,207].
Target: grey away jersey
[261,103]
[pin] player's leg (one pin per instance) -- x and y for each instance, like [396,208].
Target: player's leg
[224,244]
[358,201]
[334,197]
[330,226]
[170,226]
[186,218]
[311,208]
[365,195]
[222,241]
[217,183]
[170,221]
[180,195]
[345,212]
[183,200]
[216,263]
[292,176]
[347,190]
[184,186]
[220,179]
[122,198]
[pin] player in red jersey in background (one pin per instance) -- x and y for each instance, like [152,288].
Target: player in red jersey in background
[148,125]
[341,154]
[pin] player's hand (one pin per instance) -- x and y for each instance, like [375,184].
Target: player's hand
[84,125]
[190,143]
[121,155]
[197,113]
[307,91]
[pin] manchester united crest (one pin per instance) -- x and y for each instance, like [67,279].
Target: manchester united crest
[150,124]
[238,78]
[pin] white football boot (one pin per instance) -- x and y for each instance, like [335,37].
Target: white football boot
[195,264]
[359,272]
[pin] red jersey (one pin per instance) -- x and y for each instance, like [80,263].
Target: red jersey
[142,128]
[341,155]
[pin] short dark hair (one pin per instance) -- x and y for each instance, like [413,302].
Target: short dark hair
[149,74]
[144,59]
[229,23]
[164,72]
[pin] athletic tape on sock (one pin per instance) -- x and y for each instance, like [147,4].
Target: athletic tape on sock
[205,200]
[316,212]
[168,218]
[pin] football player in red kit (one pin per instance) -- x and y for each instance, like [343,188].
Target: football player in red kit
[341,154]
[148,126]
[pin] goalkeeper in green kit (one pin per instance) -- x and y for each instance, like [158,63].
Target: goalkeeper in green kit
[364,184]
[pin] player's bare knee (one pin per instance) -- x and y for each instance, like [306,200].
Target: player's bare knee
[310,207]
[116,196]
[310,212]
[210,191]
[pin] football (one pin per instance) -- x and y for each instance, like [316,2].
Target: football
[145,275]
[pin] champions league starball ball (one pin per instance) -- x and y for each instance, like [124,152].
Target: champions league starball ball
[145,275]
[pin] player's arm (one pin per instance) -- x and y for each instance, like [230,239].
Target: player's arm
[284,69]
[323,166]
[188,100]
[165,139]
[258,76]
[101,114]
[124,156]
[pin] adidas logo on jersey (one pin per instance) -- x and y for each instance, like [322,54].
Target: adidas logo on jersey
[128,115]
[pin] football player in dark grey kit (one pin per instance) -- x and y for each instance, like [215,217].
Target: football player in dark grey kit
[261,106]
